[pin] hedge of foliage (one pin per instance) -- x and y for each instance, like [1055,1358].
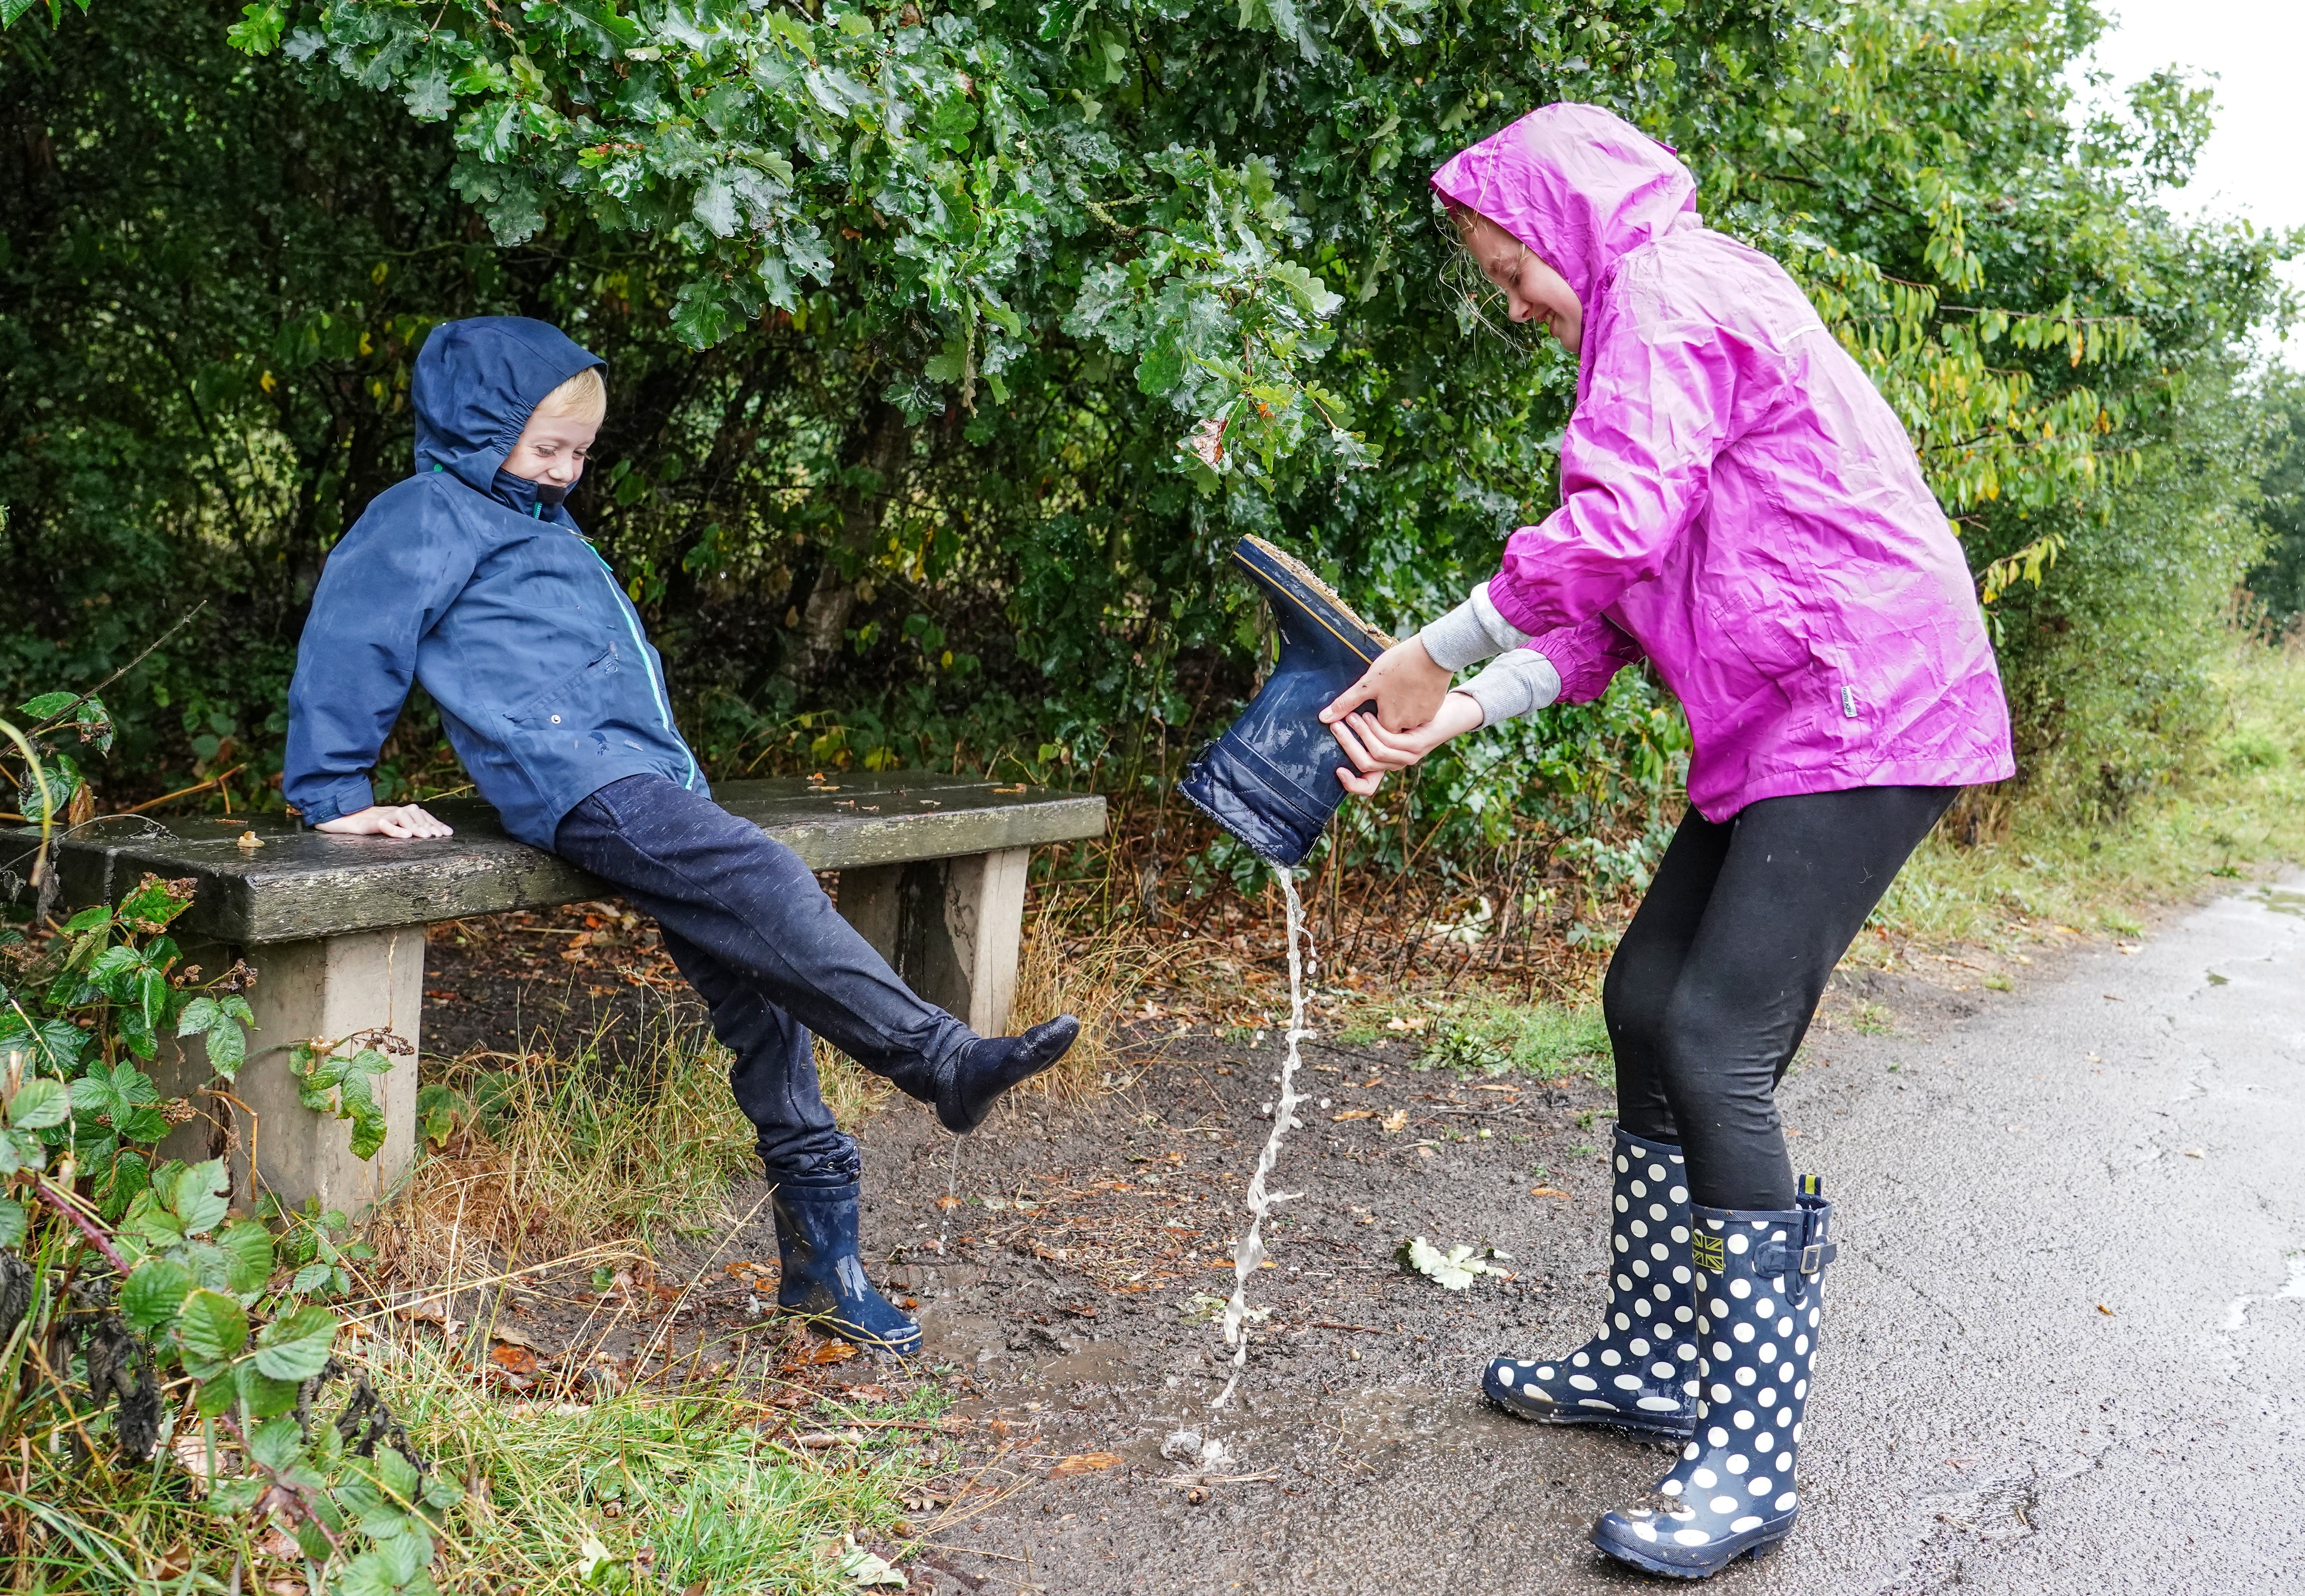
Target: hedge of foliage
[951,346]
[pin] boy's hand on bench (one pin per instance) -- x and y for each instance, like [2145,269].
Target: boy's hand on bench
[386,820]
[1377,751]
[1405,683]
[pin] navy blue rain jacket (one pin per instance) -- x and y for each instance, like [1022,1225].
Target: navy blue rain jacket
[459,578]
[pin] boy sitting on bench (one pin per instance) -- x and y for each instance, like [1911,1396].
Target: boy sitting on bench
[472,578]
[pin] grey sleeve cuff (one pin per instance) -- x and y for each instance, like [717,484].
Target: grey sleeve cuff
[1522,681]
[1471,633]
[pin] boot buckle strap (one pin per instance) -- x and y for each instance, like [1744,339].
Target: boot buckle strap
[1786,1258]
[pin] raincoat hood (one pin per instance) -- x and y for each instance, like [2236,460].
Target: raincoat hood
[477,383]
[1581,187]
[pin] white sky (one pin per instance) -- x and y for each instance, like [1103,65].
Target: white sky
[2250,167]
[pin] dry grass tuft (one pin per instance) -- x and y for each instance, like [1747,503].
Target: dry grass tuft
[1097,977]
[549,1155]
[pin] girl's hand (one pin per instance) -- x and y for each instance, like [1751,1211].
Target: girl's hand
[1377,751]
[385,820]
[1405,683]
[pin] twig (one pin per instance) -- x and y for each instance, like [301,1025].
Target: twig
[1326,1324]
[180,793]
[57,719]
[64,1205]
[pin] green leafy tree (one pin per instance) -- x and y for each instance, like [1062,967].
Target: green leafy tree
[950,346]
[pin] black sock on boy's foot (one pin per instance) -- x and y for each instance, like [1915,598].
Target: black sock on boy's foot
[990,1064]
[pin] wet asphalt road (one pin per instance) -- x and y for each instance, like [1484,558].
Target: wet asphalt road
[2066,1349]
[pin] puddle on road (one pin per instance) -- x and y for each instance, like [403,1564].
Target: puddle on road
[2291,1288]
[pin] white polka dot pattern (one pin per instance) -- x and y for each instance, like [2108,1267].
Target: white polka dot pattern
[1732,1486]
[1646,1331]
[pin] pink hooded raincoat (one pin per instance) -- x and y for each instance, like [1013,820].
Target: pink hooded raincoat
[1737,501]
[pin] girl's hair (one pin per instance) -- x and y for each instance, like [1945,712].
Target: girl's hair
[1477,299]
[584,398]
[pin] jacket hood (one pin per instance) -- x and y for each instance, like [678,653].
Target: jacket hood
[477,382]
[1580,185]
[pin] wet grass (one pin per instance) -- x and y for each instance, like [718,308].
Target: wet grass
[2064,860]
[652,1490]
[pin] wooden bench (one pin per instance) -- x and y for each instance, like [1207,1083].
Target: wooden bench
[932,871]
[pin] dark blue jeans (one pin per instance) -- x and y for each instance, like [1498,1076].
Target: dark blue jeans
[747,924]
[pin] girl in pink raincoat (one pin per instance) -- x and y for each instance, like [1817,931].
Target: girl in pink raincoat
[1742,507]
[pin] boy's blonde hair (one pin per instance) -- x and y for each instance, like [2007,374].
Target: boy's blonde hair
[584,398]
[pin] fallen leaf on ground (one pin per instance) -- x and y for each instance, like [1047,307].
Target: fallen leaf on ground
[1397,1120]
[829,1352]
[1354,1114]
[870,1568]
[1548,1191]
[1084,1463]
[2108,1312]
[512,1337]
[1455,1269]
[512,1360]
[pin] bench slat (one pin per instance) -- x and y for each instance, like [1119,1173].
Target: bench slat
[305,885]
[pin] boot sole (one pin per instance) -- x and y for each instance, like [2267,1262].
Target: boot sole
[833,1330]
[1634,1559]
[1571,1419]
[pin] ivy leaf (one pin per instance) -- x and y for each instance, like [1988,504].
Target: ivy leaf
[49,788]
[155,1292]
[212,1328]
[197,1196]
[266,1396]
[154,902]
[247,1247]
[227,1048]
[39,1104]
[296,1348]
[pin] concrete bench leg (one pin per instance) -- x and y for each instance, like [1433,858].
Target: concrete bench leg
[333,987]
[952,927]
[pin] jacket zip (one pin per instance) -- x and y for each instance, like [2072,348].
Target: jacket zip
[656,687]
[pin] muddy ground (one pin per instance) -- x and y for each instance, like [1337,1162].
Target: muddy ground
[1068,1259]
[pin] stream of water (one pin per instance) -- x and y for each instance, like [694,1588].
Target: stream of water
[1250,1256]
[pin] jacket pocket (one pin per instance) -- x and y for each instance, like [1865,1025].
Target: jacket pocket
[551,730]
[560,704]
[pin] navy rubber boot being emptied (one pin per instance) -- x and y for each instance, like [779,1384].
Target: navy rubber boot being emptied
[1271,779]
[1760,1278]
[1640,1373]
[824,1277]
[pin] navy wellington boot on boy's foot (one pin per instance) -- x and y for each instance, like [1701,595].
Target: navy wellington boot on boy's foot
[824,1276]
[1639,1374]
[1760,1279]
[968,1086]
[1271,779]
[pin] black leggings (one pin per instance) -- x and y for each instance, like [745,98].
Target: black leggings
[1712,987]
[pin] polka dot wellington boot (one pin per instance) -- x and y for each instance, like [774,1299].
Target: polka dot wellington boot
[823,1275]
[1636,1374]
[1760,1278]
